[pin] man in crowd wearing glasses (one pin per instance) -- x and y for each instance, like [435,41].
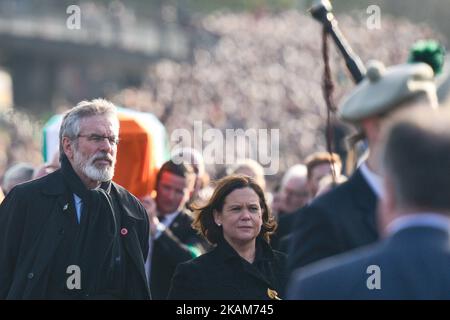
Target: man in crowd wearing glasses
[74,234]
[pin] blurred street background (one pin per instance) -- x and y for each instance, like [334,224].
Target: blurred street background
[228,63]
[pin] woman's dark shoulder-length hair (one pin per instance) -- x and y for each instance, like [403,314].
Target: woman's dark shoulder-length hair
[204,218]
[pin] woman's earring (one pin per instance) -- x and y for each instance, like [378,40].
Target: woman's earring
[219,224]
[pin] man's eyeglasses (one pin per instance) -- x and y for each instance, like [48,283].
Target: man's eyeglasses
[98,138]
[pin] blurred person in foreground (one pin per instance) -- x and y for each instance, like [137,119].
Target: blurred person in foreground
[242,265]
[344,218]
[75,234]
[413,260]
[17,174]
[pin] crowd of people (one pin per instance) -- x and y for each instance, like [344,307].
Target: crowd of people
[263,73]
[67,231]
[180,243]
[259,62]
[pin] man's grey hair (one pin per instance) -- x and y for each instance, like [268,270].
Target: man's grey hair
[70,126]
[296,171]
[18,173]
[251,165]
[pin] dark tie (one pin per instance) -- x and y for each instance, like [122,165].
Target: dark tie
[162,218]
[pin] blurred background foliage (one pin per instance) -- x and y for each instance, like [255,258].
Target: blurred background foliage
[245,64]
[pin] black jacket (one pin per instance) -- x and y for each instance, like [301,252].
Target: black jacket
[338,221]
[31,228]
[223,275]
[178,243]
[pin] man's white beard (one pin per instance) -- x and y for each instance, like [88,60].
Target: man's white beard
[88,168]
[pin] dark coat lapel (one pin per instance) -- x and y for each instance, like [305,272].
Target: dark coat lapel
[253,272]
[180,224]
[131,240]
[365,201]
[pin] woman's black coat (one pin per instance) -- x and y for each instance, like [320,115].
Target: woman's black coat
[223,275]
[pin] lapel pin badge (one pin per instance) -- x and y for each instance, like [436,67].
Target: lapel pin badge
[124,231]
[65,207]
[272,294]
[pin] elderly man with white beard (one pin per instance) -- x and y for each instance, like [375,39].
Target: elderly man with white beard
[75,234]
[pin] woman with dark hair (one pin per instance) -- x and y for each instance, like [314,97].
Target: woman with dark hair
[242,265]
